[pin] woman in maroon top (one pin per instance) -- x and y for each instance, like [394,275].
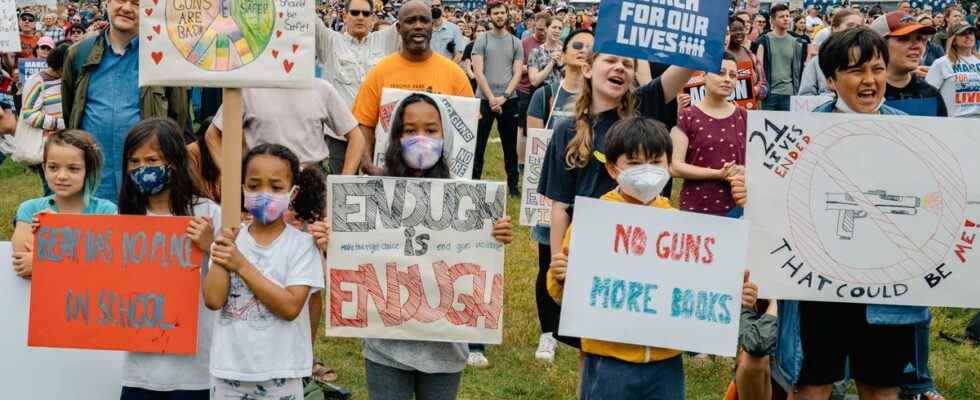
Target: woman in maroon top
[709,144]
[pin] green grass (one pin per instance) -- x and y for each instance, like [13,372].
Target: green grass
[514,373]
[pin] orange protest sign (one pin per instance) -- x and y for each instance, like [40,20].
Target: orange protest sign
[115,283]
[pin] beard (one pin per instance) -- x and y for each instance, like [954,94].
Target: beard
[499,25]
[436,13]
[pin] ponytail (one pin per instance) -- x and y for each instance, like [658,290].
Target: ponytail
[311,195]
[579,149]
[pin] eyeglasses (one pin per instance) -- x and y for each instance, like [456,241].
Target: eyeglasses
[359,13]
[578,45]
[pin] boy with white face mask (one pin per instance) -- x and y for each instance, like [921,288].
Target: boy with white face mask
[637,155]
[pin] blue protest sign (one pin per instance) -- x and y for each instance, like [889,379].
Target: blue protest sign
[687,33]
[30,66]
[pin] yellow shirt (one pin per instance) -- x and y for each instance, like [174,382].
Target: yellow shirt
[437,74]
[626,352]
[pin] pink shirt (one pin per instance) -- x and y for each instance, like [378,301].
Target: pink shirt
[711,143]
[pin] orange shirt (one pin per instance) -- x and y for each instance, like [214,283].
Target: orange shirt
[438,75]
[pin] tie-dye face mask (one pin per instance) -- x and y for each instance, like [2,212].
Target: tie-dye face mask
[421,152]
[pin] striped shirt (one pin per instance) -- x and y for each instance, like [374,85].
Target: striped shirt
[42,102]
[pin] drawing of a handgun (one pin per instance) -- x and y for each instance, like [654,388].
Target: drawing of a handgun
[848,210]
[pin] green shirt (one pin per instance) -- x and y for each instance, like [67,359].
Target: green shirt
[782,64]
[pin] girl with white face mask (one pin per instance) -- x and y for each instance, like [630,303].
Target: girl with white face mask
[709,144]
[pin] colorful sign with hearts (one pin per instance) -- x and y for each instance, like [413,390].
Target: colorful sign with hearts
[227,43]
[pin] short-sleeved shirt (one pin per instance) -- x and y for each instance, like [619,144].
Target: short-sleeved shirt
[443,35]
[250,342]
[437,74]
[499,54]
[529,43]
[916,98]
[562,184]
[167,372]
[554,112]
[959,84]
[295,118]
[539,59]
[782,64]
[95,205]
[711,142]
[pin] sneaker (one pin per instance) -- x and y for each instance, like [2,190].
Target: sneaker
[546,348]
[477,360]
[929,395]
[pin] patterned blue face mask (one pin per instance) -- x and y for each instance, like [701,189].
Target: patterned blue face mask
[150,179]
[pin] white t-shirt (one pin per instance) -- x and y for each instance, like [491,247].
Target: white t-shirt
[165,372]
[250,342]
[959,84]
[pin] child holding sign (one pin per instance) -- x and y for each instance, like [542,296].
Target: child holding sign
[261,280]
[399,369]
[72,164]
[638,151]
[157,182]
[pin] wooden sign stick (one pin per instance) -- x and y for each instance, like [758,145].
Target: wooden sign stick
[231,158]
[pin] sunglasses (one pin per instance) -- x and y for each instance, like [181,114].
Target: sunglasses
[578,45]
[27,19]
[359,13]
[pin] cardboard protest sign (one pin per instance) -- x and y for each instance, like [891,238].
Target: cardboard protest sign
[414,259]
[29,369]
[9,27]
[28,67]
[535,208]
[688,33]
[460,116]
[743,93]
[227,43]
[808,103]
[115,283]
[654,277]
[864,208]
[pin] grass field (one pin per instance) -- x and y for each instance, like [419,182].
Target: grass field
[514,373]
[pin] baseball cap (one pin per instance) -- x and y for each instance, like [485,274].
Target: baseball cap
[899,23]
[46,41]
[962,28]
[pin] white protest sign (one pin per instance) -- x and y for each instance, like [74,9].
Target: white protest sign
[535,208]
[78,374]
[9,27]
[460,116]
[654,277]
[414,259]
[807,103]
[864,208]
[227,43]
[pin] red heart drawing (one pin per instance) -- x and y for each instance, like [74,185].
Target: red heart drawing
[295,47]
[148,11]
[156,56]
[280,14]
[155,2]
[288,66]
[278,34]
[156,28]
[275,53]
[149,38]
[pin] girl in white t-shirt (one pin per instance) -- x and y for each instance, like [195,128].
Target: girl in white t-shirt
[261,279]
[156,181]
[957,75]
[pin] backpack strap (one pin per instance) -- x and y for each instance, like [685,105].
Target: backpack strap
[84,49]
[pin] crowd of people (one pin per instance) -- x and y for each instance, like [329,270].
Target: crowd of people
[622,129]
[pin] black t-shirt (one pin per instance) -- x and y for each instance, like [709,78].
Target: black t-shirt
[562,184]
[916,98]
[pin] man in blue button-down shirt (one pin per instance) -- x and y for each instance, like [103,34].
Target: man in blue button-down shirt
[100,91]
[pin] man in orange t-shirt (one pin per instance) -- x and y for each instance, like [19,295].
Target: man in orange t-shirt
[415,67]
